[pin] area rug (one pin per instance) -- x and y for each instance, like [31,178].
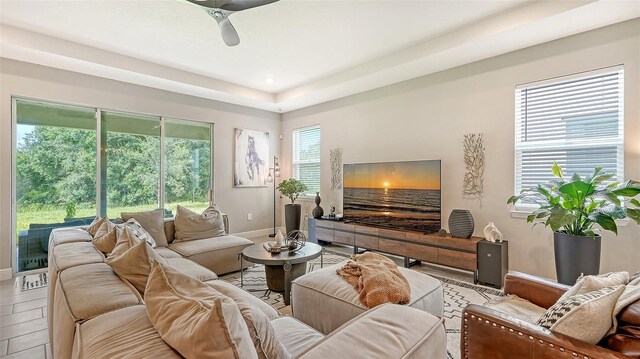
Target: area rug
[33,281]
[457,294]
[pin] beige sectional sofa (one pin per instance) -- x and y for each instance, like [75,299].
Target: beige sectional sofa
[95,314]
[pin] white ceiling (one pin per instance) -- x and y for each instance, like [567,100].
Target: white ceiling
[314,50]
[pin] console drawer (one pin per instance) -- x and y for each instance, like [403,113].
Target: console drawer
[344,237]
[457,259]
[425,253]
[366,241]
[392,247]
[324,234]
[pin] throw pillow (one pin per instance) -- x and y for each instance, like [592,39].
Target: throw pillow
[93,227]
[104,228]
[590,283]
[140,232]
[107,242]
[131,259]
[152,222]
[191,225]
[195,319]
[586,317]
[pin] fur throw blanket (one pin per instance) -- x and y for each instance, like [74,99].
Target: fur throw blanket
[377,279]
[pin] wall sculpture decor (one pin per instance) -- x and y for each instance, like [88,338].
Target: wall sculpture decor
[335,159]
[474,166]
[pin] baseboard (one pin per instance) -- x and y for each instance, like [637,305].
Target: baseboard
[6,273]
[257,233]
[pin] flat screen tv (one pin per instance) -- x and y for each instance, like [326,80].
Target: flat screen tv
[403,195]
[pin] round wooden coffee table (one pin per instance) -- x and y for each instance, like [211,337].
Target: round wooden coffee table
[281,268]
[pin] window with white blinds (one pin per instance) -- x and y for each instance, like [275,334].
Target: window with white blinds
[576,121]
[306,157]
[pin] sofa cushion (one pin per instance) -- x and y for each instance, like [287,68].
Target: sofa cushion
[123,333]
[295,336]
[106,242]
[165,252]
[68,235]
[220,254]
[192,269]
[81,293]
[190,225]
[586,317]
[242,296]
[195,319]
[152,222]
[132,261]
[516,307]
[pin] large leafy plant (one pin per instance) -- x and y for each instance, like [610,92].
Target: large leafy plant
[574,206]
[292,188]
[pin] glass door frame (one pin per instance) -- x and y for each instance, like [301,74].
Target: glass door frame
[99,160]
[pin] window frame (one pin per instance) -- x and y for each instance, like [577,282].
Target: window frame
[311,194]
[522,210]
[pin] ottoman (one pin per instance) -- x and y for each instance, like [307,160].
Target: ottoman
[324,300]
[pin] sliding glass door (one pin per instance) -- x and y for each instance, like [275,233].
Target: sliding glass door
[73,163]
[187,179]
[55,175]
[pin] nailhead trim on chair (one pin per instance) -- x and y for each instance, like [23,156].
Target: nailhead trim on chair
[540,341]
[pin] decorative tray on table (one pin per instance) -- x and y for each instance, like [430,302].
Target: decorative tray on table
[274,248]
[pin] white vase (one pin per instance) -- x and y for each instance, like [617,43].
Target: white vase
[279,238]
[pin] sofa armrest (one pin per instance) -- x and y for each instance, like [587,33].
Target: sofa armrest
[487,333]
[539,291]
[386,331]
[225,219]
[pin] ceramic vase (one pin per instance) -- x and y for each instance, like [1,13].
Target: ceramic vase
[317,211]
[461,223]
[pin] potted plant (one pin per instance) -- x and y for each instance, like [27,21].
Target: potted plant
[292,188]
[571,208]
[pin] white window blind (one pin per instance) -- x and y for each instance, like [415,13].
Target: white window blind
[576,121]
[306,158]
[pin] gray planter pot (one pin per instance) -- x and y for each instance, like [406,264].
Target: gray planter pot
[575,256]
[292,214]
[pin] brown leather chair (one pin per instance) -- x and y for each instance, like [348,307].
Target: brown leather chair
[489,334]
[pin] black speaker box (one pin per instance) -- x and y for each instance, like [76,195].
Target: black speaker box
[493,262]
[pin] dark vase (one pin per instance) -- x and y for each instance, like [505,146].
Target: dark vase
[461,223]
[317,211]
[292,217]
[575,256]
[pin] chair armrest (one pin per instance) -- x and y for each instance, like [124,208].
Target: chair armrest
[487,333]
[386,331]
[539,291]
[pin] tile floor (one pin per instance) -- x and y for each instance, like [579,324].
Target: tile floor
[23,315]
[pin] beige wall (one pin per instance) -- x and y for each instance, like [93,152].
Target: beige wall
[426,118]
[28,80]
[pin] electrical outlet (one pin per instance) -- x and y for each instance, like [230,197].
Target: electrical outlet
[249,216]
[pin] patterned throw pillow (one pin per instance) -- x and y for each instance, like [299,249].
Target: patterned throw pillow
[584,316]
[140,232]
[590,283]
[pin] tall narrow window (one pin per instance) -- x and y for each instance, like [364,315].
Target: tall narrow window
[577,121]
[306,157]
[130,179]
[187,148]
[55,175]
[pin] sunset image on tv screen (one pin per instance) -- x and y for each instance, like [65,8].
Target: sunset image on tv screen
[394,194]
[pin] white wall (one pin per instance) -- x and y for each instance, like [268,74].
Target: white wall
[21,79]
[426,118]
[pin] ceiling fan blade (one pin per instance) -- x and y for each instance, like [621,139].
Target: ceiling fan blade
[239,5]
[228,32]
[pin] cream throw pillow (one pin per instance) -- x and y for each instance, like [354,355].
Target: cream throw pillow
[93,227]
[152,222]
[590,283]
[106,242]
[191,225]
[586,317]
[131,259]
[193,318]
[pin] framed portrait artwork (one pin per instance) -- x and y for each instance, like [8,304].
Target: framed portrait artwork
[251,158]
